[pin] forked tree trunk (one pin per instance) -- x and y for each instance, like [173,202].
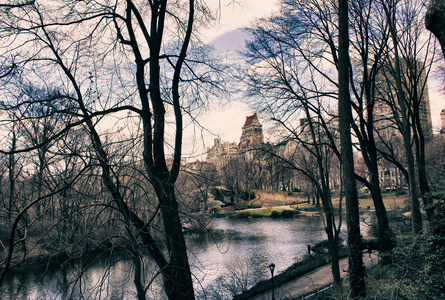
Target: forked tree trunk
[177,276]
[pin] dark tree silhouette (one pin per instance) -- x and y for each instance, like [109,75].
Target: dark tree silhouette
[356,268]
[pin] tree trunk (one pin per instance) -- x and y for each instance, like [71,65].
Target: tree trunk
[356,268]
[178,279]
[11,170]
[176,273]
[419,139]
[11,185]
[416,216]
[137,277]
[386,238]
[333,245]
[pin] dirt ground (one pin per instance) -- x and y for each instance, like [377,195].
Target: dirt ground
[271,199]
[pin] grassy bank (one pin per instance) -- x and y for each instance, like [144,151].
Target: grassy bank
[258,213]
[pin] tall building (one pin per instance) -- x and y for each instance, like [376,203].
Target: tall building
[252,133]
[385,124]
[424,106]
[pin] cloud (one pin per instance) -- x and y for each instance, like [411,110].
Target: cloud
[237,14]
[229,41]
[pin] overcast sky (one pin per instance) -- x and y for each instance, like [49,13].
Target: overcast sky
[225,121]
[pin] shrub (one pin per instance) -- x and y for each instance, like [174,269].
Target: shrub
[323,246]
[275,215]
[400,191]
[240,206]
[246,196]
[257,216]
[243,215]
[217,195]
[284,214]
[288,213]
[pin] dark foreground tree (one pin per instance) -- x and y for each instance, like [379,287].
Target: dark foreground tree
[356,268]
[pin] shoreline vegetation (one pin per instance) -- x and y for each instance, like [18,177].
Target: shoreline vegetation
[279,205]
[275,205]
[288,205]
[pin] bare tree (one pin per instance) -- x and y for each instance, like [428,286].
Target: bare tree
[36,127]
[368,43]
[232,173]
[201,178]
[288,96]
[90,52]
[405,91]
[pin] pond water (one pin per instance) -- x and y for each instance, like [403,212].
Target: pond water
[235,257]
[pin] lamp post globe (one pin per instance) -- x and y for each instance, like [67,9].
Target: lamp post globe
[272,268]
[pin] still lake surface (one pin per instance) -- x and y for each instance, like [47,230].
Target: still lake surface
[235,256]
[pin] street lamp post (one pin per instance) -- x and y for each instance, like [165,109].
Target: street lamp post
[272,268]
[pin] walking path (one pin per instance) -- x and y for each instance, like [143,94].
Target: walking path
[314,281]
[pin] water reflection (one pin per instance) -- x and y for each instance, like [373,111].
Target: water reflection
[248,247]
[234,256]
